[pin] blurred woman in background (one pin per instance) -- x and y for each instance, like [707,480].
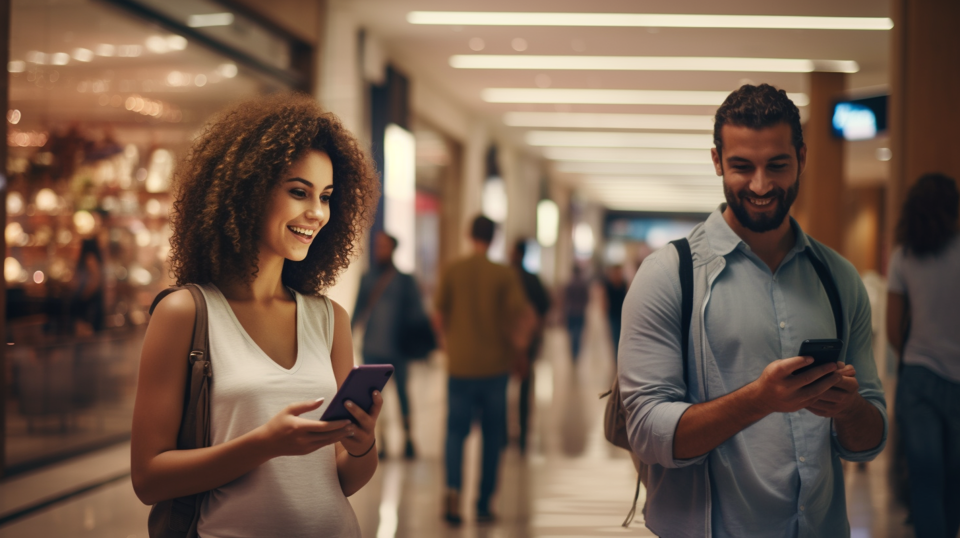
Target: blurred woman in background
[923,325]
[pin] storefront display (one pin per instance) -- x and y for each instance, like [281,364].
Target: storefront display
[103,103]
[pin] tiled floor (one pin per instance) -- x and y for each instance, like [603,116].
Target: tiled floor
[572,483]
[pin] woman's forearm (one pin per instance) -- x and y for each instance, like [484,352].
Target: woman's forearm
[355,472]
[176,473]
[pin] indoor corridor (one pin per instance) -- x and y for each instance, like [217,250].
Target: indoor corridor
[570,483]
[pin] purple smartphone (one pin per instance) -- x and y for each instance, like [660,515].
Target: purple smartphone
[358,388]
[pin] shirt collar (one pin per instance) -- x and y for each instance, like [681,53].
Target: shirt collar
[724,240]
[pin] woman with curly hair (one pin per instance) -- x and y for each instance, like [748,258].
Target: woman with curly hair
[270,203]
[923,312]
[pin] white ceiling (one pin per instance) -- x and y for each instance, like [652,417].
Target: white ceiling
[426,50]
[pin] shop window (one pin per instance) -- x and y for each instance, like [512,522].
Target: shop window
[103,102]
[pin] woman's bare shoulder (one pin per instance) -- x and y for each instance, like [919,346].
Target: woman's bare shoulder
[175,312]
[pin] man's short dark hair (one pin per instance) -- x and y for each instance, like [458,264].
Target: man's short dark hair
[520,247]
[482,229]
[757,107]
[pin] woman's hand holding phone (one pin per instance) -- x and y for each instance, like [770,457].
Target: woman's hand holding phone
[289,434]
[362,438]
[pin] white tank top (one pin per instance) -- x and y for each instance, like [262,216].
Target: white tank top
[289,496]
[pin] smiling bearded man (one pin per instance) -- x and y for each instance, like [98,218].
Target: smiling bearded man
[739,442]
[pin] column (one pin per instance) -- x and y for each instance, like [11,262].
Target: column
[474,172]
[925,83]
[341,90]
[819,204]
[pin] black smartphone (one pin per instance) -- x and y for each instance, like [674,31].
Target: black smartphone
[358,387]
[823,351]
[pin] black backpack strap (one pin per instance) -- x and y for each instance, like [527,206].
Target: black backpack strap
[686,299]
[830,286]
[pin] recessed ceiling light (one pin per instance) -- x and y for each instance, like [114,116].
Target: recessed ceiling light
[614,97]
[583,120]
[157,44]
[490,18]
[651,63]
[176,42]
[105,49]
[59,58]
[594,139]
[83,55]
[210,19]
[227,70]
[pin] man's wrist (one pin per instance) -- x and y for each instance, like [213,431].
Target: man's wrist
[754,401]
[853,411]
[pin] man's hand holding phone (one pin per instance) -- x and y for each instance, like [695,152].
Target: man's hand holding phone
[779,389]
[841,398]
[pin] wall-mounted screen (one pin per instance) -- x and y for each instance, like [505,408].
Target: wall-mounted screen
[860,119]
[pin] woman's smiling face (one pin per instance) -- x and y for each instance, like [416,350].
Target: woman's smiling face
[298,208]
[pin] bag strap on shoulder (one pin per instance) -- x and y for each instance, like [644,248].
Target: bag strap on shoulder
[201,341]
[830,286]
[686,299]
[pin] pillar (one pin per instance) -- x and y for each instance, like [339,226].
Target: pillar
[819,204]
[341,90]
[925,83]
[474,174]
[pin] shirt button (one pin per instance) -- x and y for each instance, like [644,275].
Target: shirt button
[802,459]
[783,324]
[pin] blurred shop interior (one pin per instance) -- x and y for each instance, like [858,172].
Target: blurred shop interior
[594,161]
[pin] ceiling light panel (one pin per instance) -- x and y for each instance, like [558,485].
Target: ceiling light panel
[210,19]
[480,18]
[579,120]
[593,139]
[630,182]
[628,155]
[651,63]
[614,97]
[633,169]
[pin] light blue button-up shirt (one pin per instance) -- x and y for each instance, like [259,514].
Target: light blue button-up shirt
[782,475]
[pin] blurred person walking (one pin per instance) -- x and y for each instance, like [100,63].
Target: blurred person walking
[87,304]
[923,316]
[738,441]
[615,288]
[538,297]
[485,325]
[386,302]
[270,203]
[576,296]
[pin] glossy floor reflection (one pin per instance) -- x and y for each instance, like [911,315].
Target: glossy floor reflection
[571,483]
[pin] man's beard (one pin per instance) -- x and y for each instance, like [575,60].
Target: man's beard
[763,223]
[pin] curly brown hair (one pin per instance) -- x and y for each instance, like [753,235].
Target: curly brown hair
[929,218]
[225,181]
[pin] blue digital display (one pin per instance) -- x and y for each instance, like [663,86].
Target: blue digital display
[860,119]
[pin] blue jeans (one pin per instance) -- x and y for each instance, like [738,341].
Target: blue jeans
[928,412]
[575,328]
[469,399]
